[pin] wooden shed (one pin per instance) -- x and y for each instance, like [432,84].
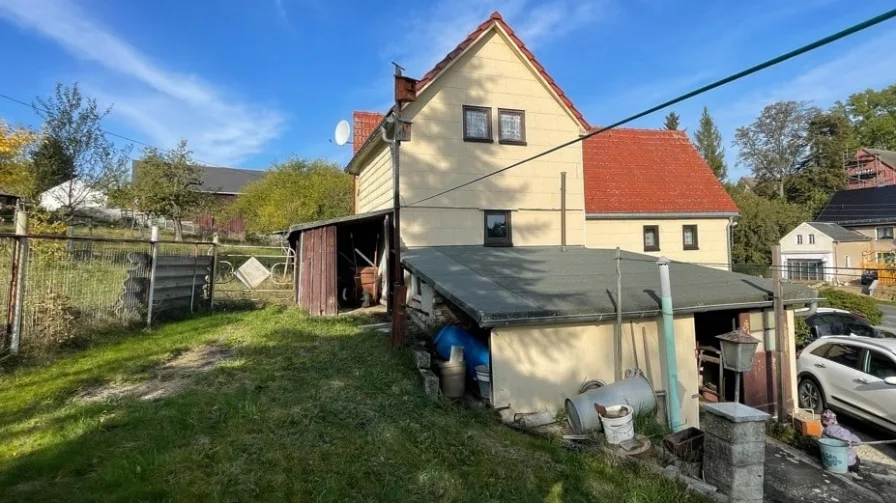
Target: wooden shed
[341,262]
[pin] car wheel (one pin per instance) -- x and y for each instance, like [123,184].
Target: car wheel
[810,395]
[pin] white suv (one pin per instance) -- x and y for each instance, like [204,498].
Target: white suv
[856,375]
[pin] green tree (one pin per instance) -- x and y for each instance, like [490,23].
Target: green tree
[168,184]
[873,117]
[80,148]
[709,144]
[672,121]
[762,223]
[295,191]
[51,163]
[821,172]
[776,142]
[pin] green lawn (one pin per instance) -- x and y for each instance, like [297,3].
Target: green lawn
[300,410]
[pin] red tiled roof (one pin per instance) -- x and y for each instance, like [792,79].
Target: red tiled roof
[363,124]
[496,18]
[649,171]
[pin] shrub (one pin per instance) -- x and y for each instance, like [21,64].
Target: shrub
[54,325]
[854,303]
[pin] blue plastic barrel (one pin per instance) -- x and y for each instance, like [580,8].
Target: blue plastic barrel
[475,352]
[834,455]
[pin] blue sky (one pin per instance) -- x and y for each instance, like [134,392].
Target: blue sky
[248,82]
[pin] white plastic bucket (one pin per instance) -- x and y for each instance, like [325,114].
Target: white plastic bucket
[483,376]
[618,424]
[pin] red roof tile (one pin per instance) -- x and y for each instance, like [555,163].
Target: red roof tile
[363,124]
[649,171]
[496,18]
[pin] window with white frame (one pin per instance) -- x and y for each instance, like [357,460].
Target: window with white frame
[811,239]
[799,239]
[885,232]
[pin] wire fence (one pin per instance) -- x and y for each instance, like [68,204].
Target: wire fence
[59,290]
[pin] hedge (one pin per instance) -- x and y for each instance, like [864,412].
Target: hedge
[854,303]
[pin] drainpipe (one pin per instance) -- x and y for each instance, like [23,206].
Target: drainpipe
[731,225]
[563,211]
[668,344]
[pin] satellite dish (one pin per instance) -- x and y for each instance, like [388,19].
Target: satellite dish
[343,130]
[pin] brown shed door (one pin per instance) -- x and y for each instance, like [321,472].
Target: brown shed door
[318,272]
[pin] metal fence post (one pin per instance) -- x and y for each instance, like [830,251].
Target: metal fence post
[214,274]
[154,243]
[22,262]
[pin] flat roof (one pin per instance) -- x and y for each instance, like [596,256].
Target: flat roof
[360,217]
[518,285]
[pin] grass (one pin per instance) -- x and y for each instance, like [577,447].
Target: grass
[306,410]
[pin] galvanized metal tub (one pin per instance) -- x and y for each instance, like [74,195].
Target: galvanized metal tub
[636,392]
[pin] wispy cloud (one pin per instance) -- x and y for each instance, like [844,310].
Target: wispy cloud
[163,104]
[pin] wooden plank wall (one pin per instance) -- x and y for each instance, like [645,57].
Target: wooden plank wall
[318,272]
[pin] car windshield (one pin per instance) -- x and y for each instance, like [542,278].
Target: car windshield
[842,324]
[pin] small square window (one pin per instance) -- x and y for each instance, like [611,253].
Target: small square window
[799,239]
[884,233]
[477,124]
[811,239]
[497,228]
[689,237]
[511,127]
[651,238]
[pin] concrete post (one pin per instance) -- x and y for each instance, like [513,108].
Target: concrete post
[734,450]
[154,243]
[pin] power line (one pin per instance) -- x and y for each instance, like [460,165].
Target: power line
[35,108]
[731,78]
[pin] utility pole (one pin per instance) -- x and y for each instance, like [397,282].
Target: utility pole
[405,92]
[780,340]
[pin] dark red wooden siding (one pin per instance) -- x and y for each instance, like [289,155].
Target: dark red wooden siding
[317,277]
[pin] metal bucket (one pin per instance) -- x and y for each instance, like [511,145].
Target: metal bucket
[635,392]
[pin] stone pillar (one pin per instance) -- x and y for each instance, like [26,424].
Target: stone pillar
[734,450]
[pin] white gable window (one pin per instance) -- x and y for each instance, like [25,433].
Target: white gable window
[511,127]
[799,239]
[811,239]
[884,233]
[477,124]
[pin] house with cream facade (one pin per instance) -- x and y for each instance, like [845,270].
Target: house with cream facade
[525,258]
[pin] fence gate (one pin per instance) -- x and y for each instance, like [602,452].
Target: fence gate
[250,272]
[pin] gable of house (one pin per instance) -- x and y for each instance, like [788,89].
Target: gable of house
[491,68]
[871,167]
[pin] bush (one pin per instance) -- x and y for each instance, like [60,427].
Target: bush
[854,303]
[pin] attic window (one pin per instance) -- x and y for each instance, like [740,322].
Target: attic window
[477,124]
[811,239]
[884,233]
[511,127]
[799,239]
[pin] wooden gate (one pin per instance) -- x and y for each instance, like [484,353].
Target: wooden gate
[317,274]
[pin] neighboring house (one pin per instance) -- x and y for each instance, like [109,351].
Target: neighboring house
[824,251]
[871,167]
[491,254]
[73,194]
[224,185]
[650,191]
[871,212]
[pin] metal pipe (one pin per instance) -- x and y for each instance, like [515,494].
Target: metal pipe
[214,271]
[617,343]
[563,210]
[154,240]
[57,237]
[731,225]
[22,262]
[781,353]
[668,344]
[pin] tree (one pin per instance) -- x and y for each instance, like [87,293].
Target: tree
[15,173]
[51,164]
[672,121]
[775,143]
[762,223]
[80,149]
[709,144]
[295,191]
[168,184]
[873,117]
[821,171]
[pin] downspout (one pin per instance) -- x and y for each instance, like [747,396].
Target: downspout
[731,225]
[668,344]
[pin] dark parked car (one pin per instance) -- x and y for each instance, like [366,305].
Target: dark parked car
[868,277]
[829,322]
